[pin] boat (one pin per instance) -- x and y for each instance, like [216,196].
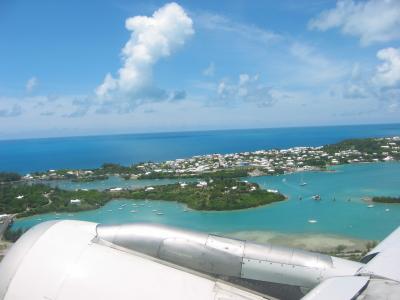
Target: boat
[387,209]
[312,221]
[154,210]
[160,213]
[316,197]
[302,182]
[133,211]
[370,206]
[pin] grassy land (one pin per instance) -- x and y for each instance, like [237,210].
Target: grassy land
[227,194]
[386,199]
[26,200]
[219,194]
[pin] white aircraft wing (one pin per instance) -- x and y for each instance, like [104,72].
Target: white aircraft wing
[384,260]
[378,278]
[338,288]
[62,260]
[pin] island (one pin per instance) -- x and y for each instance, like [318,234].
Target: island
[384,199]
[213,194]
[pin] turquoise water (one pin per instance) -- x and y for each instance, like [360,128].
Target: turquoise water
[340,217]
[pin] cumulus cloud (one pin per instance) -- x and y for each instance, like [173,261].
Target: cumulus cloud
[248,89]
[31,84]
[388,72]
[372,21]
[152,38]
[210,70]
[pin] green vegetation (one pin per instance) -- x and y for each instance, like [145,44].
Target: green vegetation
[226,194]
[383,199]
[13,235]
[219,194]
[9,177]
[34,199]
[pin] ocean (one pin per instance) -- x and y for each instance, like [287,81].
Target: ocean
[89,152]
[341,212]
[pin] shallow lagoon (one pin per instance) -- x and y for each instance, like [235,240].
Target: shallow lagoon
[353,219]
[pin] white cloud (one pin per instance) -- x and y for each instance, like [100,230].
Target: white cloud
[388,72]
[372,21]
[210,70]
[316,67]
[152,38]
[31,84]
[248,89]
[243,31]
[12,111]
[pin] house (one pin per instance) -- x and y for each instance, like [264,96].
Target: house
[75,201]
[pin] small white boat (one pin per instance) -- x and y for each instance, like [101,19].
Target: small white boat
[133,211]
[154,210]
[370,206]
[312,221]
[316,197]
[303,183]
[160,213]
[387,209]
[120,208]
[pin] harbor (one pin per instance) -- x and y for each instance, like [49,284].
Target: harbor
[334,214]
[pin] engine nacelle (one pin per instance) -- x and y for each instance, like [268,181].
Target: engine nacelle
[228,257]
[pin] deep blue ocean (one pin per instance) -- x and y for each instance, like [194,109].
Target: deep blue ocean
[88,152]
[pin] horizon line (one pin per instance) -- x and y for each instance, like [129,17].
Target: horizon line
[186,131]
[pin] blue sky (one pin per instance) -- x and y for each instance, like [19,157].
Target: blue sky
[72,67]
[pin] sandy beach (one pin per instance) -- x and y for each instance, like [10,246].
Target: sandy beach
[312,242]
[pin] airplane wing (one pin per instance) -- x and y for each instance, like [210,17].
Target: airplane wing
[63,260]
[378,278]
[338,288]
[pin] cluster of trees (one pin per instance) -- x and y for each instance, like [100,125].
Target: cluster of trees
[368,145]
[27,200]
[221,194]
[9,177]
[13,235]
[383,199]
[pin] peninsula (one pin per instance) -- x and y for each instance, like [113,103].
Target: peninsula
[237,165]
[219,194]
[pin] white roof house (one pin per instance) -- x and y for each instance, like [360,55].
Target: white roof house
[75,201]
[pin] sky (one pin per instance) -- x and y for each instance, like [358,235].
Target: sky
[72,67]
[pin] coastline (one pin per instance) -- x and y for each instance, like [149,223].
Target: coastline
[334,245]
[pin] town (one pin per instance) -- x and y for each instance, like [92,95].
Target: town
[236,165]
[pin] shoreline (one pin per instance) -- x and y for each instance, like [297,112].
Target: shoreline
[308,241]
